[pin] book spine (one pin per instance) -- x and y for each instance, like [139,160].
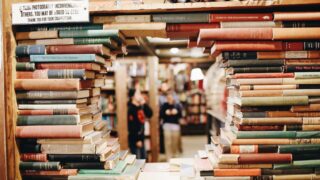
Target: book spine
[292,114]
[62,172]
[30,148]
[241,17]
[22,51]
[85,165]
[244,166]
[60,131]
[236,34]
[48,120]
[266,87]
[237,172]
[286,171]
[66,74]
[77,49]
[264,75]
[39,157]
[181,18]
[264,158]
[256,69]
[306,62]
[37,74]
[305,156]
[296,149]
[294,68]
[47,84]
[248,46]
[86,66]
[25,66]
[255,63]
[59,27]
[39,166]
[274,101]
[46,95]
[266,134]
[295,33]
[36,35]
[74,157]
[47,102]
[238,55]
[250,24]
[271,121]
[300,24]
[26,112]
[84,41]
[299,164]
[306,75]
[190,27]
[260,128]
[63,58]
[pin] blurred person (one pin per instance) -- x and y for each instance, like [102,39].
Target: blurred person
[138,112]
[170,113]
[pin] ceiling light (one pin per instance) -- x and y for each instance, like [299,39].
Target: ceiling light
[196,74]
[174,50]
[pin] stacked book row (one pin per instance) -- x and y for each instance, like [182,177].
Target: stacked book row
[58,89]
[272,123]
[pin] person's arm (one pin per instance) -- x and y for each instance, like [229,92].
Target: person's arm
[147,110]
[179,109]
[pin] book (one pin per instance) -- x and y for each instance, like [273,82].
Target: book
[63,65]
[116,171]
[298,24]
[20,66]
[78,102]
[79,49]
[52,120]
[190,27]
[254,63]
[112,33]
[36,35]
[39,166]
[181,18]
[286,171]
[280,92]
[61,131]
[260,128]
[297,68]
[48,112]
[22,51]
[67,58]
[306,75]
[251,24]
[56,74]
[265,69]
[236,34]
[74,157]
[299,164]
[237,172]
[73,149]
[295,33]
[261,158]
[52,84]
[122,19]
[253,149]
[274,141]
[51,95]
[61,172]
[310,107]
[56,27]
[217,17]
[296,16]
[38,157]
[297,149]
[271,121]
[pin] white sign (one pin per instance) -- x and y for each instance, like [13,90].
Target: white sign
[50,12]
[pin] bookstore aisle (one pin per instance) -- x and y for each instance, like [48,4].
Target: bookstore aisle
[222,90]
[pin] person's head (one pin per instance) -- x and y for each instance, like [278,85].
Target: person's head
[170,98]
[164,87]
[134,96]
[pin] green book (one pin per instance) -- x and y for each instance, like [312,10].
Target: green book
[116,171]
[299,164]
[108,42]
[301,148]
[114,34]
[57,27]
[273,101]
[48,120]
[306,75]
[308,134]
[21,66]
[265,134]
[254,63]
[181,18]
[45,166]
[67,58]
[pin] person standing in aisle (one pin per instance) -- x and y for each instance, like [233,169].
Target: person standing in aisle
[138,111]
[170,112]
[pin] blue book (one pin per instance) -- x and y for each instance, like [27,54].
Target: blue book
[67,58]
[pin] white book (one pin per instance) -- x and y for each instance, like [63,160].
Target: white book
[47,106]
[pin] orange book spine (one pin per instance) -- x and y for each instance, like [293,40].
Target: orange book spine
[302,62]
[39,157]
[62,172]
[311,107]
[47,84]
[243,149]
[237,172]
[260,141]
[37,74]
[87,66]
[296,16]
[292,114]
[263,75]
[295,33]
[236,34]
[60,131]
[264,158]
[260,93]
[248,46]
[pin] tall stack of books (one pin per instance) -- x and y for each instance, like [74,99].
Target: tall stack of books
[273,105]
[59,125]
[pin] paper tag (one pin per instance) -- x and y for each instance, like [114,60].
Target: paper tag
[50,12]
[296,54]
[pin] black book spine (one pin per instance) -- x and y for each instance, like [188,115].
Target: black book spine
[45,166]
[304,156]
[30,148]
[74,157]
[295,127]
[311,45]
[83,165]
[267,148]
[265,177]
[293,68]
[255,63]
[286,171]
[299,24]
[257,69]
[235,55]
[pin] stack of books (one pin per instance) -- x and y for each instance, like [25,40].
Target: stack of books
[59,123]
[273,77]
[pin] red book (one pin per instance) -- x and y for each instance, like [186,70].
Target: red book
[62,172]
[266,158]
[39,157]
[236,34]
[241,17]
[48,112]
[86,66]
[237,172]
[190,27]
[182,35]
[192,43]
[292,46]
[263,75]
[79,49]
[260,128]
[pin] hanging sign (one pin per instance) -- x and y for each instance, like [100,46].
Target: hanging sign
[50,12]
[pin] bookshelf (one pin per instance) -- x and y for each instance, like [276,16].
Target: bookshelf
[98,6]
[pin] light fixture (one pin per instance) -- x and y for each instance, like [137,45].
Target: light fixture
[174,50]
[196,74]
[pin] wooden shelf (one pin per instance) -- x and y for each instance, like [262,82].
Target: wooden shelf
[100,6]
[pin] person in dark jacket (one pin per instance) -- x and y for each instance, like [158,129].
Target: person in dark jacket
[171,114]
[138,111]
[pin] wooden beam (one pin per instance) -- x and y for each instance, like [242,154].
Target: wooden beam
[3,154]
[153,63]
[122,107]
[108,7]
[13,158]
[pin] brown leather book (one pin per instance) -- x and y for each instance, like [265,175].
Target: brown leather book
[62,172]
[302,61]
[182,35]
[271,121]
[296,16]
[191,27]
[260,128]
[288,55]
[237,172]
[236,34]
[38,157]
[52,84]
[264,158]
[310,107]
[79,49]
[263,75]
[61,131]
[292,114]
[248,45]
[266,87]
[37,35]
[244,166]
[86,66]
[295,33]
